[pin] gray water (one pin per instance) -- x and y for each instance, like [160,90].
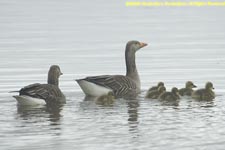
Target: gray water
[88,38]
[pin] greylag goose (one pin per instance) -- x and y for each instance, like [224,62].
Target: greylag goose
[170,96]
[154,94]
[156,87]
[120,85]
[204,94]
[36,94]
[187,91]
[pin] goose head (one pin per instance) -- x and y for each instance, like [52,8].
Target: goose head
[134,46]
[190,85]
[53,74]
[175,91]
[209,86]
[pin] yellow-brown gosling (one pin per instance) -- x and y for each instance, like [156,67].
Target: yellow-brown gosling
[170,96]
[154,94]
[107,99]
[156,87]
[187,91]
[204,94]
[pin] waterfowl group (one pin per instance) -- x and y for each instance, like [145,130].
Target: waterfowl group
[175,94]
[108,87]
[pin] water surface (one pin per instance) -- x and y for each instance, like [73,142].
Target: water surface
[88,38]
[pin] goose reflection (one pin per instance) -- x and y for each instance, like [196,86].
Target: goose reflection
[51,114]
[133,122]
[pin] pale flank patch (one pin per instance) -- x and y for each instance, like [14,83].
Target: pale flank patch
[27,100]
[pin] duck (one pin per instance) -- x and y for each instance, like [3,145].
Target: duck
[122,86]
[107,99]
[187,91]
[156,87]
[42,94]
[206,93]
[170,96]
[154,94]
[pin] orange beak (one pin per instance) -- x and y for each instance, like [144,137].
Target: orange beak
[143,44]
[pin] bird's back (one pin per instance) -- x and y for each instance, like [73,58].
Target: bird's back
[48,92]
[154,94]
[203,94]
[168,96]
[185,91]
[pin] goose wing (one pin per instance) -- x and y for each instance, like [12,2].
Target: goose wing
[120,85]
[42,91]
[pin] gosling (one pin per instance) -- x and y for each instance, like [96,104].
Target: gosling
[156,87]
[170,96]
[204,94]
[187,91]
[154,94]
[107,99]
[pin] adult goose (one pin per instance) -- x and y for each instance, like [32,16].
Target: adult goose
[122,86]
[38,94]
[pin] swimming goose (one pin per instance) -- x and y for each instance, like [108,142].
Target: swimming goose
[187,91]
[204,94]
[120,85]
[154,94]
[39,94]
[156,87]
[170,96]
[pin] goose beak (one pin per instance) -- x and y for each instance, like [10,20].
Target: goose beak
[143,44]
[194,86]
[61,73]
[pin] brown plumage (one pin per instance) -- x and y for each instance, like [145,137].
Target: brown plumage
[204,94]
[49,92]
[156,87]
[187,91]
[105,100]
[121,86]
[154,94]
[170,96]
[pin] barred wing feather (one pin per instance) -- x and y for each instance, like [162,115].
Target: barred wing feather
[120,85]
[42,91]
